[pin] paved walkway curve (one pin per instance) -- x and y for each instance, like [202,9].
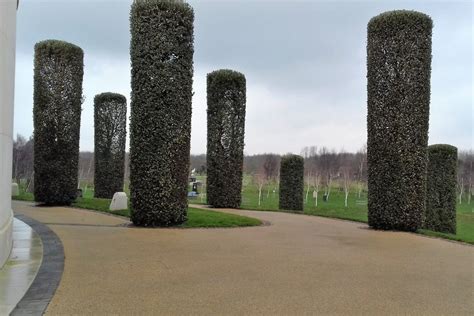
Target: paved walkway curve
[298,265]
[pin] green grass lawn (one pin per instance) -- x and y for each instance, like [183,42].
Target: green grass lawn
[333,208]
[196,217]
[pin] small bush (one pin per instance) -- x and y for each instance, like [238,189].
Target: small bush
[226,98]
[291,183]
[440,213]
[110,122]
[398,73]
[57,98]
[160,126]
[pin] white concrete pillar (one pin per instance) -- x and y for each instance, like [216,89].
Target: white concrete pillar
[7,87]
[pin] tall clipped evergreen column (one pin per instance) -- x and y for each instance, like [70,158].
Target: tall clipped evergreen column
[226,99]
[58,73]
[110,122]
[398,73]
[291,183]
[160,127]
[441,189]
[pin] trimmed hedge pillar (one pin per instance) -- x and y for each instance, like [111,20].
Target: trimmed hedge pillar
[160,127]
[291,183]
[110,122]
[440,213]
[226,99]
[398,73]
[58,76]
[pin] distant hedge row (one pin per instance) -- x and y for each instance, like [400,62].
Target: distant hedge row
[58,73]
[291,183]
[226,99]
[398,73]
[160,127]
[441,189]
[110,123]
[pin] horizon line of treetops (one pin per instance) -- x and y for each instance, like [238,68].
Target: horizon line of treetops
[328,163]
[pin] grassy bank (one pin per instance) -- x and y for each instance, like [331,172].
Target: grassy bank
[196,217]
[334,207]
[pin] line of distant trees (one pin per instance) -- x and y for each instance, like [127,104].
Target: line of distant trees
[323,167]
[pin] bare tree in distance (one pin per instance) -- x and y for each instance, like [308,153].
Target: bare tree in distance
[346,171]
[23,156]
[329,165]
[465,175]
[316,185]
[362,167]
[260,180]
[308,180]
[270,169]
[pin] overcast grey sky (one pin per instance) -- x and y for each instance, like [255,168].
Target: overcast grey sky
[305,63]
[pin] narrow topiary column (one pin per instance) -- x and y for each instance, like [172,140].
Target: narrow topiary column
[291,183]
[110,122]
[57,119]
[398,73]
[440,213]
[160,126]
[226,98]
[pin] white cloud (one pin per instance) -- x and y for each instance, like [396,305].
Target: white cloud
[304,63]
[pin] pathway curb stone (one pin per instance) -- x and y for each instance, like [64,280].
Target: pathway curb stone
[36,299]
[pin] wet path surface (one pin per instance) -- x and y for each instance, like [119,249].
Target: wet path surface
[21,268]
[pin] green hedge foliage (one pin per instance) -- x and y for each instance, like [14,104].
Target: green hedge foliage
[291,183]
[110,123]
[160,128]
[58,72]
[226,99]
[398,73]
[440,213]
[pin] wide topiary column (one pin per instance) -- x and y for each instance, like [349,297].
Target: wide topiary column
[398,73]
[226,99]
[441,189]
[110,123]
[58,76]
[291,182]
[160,127]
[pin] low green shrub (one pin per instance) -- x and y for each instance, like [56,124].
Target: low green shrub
[161,51]
[291,183]
[110,123]
[226,99]
[57,99]
[440,212]
[398,87]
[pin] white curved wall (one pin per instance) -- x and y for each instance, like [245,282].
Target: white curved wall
[7,76]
